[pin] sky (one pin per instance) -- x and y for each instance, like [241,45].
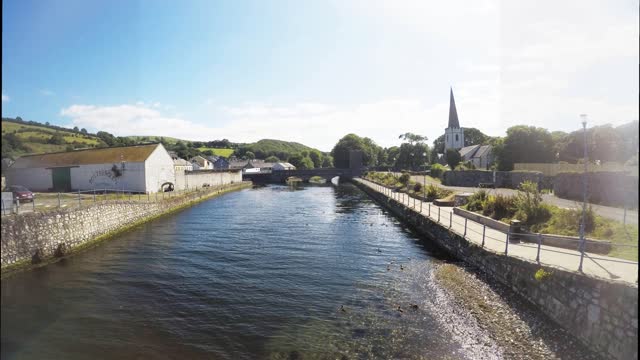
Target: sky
[314,71]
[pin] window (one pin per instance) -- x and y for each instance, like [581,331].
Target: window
[456,137]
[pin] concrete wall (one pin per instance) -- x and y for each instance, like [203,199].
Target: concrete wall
[36,179]
[101,176]
[26,234]
[607,188]
[602,314]
[212,177]
[505,179]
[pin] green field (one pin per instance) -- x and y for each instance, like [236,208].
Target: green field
[218,152]
[36,137]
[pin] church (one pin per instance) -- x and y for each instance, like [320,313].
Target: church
[481,156]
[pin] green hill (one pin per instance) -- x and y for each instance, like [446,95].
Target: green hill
[268,147]
[28,137]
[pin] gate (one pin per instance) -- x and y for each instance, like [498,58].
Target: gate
[61,179]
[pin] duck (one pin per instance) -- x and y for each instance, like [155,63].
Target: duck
[399,309]
[414,306]
[379,250]
[342,308]
[388,267]
[401,267]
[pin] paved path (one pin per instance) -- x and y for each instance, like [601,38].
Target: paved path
[604,211]
[595,265]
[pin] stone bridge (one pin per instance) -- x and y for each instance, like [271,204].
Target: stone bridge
[280,176]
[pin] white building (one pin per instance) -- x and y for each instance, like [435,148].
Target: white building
[283,166]
[182,165]
[481,156]
[201,163]
[141,168]
[453,134]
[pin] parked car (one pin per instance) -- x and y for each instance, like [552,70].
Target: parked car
[21,193]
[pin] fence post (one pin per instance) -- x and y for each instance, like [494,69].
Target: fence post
[79,202]
[33,203]
[484,230]
[465,227]
[17,206]
[94,195]
[4,209]
[539,244]
[58,200]
[506,246]
[450,219]
[429,210]
[438,213]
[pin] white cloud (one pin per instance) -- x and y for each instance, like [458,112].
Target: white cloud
[5,98]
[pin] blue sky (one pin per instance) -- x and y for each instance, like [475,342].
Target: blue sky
[312,71]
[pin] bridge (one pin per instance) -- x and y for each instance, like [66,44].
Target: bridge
[280,176]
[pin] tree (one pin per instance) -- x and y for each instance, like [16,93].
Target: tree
[453,158]
[412,154]
[208,152]
[106,138]
[301,162]
[341,150]
[75,128]
[83,130]
[249,155]
[56,139]
[412,138]
[524,144]
[327,161]
[272,159]
[316,157]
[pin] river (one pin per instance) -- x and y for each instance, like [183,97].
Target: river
[259,273]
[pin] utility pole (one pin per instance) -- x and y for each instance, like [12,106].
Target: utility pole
[584,192]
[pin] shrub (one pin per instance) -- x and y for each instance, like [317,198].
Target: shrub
[476,200]
[404,178]
[417,187]
[432,192]
[542,274]
[528,204]
[498,207]
[437,170]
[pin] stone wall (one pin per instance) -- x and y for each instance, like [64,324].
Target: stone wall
[504,179]
[606,188]
[38,235]
[200,178]
[602,314]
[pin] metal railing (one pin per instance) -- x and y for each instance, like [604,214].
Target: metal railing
[43,202]
[509,238]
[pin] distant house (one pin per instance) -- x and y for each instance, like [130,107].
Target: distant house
[201,163]
[238,164]
[182,165]
[283,166]
[140,168]
[251,166]
[481,156]
[212,159]
[173,155]
[221,163]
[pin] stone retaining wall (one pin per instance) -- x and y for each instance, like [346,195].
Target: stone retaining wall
[504,179]
[602,314]
[606,188]
[36,236]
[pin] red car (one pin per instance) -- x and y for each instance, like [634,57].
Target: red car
[21,193]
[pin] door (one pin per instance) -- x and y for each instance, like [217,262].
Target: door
[61,179]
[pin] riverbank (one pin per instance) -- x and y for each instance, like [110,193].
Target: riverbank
[600,313]
[516,328]
[37,239]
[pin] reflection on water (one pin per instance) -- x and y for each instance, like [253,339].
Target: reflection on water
[260,273]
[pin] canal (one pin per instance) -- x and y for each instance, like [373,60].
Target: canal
[260,273]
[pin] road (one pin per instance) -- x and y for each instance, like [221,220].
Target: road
[608,212]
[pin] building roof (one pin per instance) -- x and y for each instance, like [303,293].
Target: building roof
[453,113]
[286,165]
[137,153]
[238,164]
[181,162]
[474,151]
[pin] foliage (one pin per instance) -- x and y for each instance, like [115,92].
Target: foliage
[476,200]
[301,162]
[542,274]
[472,136]
[272,159]
[437,170]
[268,147]
[528,205]
[404,178]
[349,142]
[453,158]
[327,161]
[524,144]
[250,155]
[498,207]
[417,187]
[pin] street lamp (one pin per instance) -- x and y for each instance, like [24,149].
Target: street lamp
[584,192]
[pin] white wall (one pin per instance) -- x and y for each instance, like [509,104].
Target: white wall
[36,179]
[102,176]
[213,178]
[158,169]
[450,138]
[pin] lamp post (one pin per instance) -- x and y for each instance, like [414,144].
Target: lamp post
[584,192]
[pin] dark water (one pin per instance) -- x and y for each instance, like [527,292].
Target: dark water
[260,273]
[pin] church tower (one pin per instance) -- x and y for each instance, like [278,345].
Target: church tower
[453,134]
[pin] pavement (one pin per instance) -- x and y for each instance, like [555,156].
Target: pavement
[595,265]
[609,212]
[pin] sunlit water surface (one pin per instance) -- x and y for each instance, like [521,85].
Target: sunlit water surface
[260,273]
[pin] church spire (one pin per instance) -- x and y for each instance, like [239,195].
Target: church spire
[453,114]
